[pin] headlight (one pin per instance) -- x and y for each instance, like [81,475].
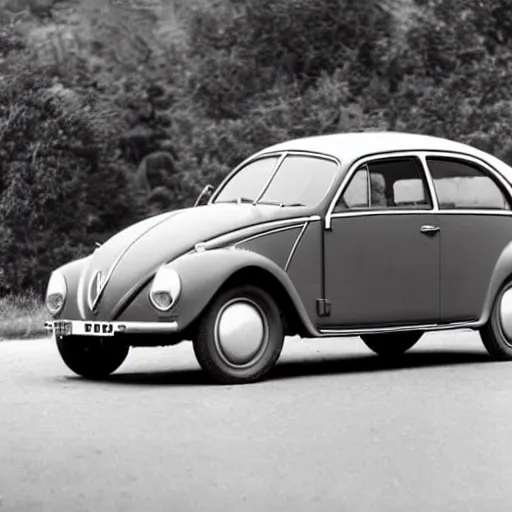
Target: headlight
[165,289]
[56,293]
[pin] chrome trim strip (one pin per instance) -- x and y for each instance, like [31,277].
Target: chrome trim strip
[503,213]
[371,213]
[270,178]
[122,254]
[98,274]
[301,152]
[271,224]
[265,233]
[427,327]
[368,185]
[295,245]
[125,327]
[366,213]
[312,154]
[430,181]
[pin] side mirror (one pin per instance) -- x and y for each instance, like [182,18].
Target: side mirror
[205,195]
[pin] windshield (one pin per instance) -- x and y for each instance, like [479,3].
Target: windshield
[299,181]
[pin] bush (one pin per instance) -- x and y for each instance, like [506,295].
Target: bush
[249,46]
[147,105]
[60,185]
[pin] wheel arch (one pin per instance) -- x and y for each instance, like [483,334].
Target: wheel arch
[234,267]
[206,274]
[257,276]
[501,276]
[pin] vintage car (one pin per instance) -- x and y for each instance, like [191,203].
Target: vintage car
[379,235]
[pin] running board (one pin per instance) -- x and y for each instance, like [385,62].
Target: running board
[383,330]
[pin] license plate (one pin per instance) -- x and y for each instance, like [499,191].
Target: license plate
[80,328]
[97,329]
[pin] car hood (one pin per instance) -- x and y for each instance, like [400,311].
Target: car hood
[131,257]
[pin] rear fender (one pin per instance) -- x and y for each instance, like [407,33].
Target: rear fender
[501,274]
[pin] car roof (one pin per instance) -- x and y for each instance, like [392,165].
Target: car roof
[348,147]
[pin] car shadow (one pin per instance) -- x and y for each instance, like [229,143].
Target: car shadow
[373,363]
[319,366]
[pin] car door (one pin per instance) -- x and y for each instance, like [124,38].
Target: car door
[382,249]
[475,226]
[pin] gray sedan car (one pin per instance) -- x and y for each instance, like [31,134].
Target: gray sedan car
[380,235]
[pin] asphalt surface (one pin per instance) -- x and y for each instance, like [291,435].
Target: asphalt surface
[333,429]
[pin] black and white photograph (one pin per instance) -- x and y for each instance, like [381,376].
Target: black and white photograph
[255,255]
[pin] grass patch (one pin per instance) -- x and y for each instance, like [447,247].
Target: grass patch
[22,316]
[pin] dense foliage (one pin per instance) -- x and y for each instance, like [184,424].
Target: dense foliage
[112,111]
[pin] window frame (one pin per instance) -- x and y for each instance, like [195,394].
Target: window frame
[366,167]
[422,155]
[281,157]
[360,162]
[481,167]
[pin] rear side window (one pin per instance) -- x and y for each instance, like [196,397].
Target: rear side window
[387,184]
[465,185]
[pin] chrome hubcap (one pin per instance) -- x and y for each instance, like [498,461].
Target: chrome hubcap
[506,313]
[241,332]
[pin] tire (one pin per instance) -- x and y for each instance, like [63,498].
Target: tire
[240,336]
[391,344]
[496,334]
[92,358]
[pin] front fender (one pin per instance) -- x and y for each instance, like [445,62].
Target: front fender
[202,275]
[72,272]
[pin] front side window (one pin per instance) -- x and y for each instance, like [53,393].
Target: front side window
[299,181]
[356,195]
[464,185]
[385,184]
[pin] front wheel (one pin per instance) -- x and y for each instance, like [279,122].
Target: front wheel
[240,336]
[391,344]
[93,358]
[496,334]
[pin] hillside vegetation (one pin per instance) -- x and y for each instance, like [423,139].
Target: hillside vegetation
[111,110]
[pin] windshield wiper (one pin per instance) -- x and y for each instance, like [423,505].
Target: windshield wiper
[238,200]
[241,199]
[272,203]
[282,205]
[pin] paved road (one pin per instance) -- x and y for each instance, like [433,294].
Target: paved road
[333,430]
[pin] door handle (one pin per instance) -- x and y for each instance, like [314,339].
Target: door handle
[428,229]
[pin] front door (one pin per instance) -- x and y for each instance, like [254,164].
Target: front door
[382,251]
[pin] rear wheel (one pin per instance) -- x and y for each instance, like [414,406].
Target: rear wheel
[391,344]
[240,335]
[93,358]
[496,334]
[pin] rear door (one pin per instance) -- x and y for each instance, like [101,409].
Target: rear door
[475,226]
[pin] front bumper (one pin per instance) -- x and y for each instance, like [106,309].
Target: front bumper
[86,328]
